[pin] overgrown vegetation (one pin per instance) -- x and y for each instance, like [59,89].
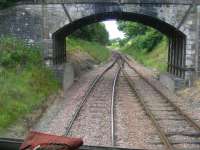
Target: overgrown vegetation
[97,51]
[142,37]
[144,44]
[94,33]
[25,81]
[157,58]
[91,39]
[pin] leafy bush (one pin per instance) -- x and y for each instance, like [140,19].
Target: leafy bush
[157,58]
[14,53]
[132,29]
[147,41]
[144,44]
[142,37]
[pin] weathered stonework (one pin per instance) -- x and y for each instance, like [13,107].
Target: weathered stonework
[46,22]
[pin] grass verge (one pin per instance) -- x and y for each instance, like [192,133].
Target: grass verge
[157,58]
[95,50]
[25,81]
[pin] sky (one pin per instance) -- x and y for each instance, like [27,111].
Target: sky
[111,26]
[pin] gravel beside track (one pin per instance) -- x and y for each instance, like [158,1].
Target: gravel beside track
[172,123]
[56,118]
[188,100]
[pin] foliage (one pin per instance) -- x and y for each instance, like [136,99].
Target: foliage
[25,81]
[132,29]
[142,37]
[144,44]
[147,41]
[14,53]
[94,33]
[7,3]
[94,49]
[117,42]
[157,58]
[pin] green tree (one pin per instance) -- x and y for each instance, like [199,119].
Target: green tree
[147,41]
[94,32]
[132,29]
[141,36]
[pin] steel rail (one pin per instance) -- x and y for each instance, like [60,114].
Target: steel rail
[178,110]
[161,133]
[87,93]
[186,117]
[113,105]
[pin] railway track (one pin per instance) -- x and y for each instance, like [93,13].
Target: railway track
[114,90]
[87,93]
[97,114]
[176,130]
[102,111]
[131,121]
[96,107]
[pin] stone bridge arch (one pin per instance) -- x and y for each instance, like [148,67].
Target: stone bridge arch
[47,22]
[177,39]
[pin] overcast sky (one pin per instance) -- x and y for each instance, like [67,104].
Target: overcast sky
[111,27]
